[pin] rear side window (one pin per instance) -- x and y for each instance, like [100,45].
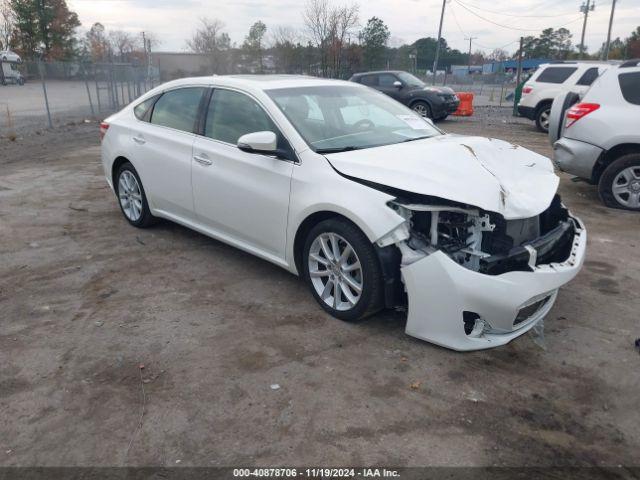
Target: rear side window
[588,77]
[369,80]
[178,108]
[141,110]
[555,74]
[630,86]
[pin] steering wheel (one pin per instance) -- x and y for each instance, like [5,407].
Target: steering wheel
[364,124]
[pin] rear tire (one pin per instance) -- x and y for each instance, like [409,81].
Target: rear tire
[619,185]
[543,113]
[327,276]
[132,198]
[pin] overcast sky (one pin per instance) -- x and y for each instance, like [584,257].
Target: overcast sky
[173,21]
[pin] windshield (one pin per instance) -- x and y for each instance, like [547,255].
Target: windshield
[339,118]
[410,80]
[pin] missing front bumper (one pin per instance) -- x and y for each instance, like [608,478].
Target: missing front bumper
[439,290]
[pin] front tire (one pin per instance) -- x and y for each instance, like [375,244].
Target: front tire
[422,108]
[543,114]
[619,185]
[341,267]
[131,197]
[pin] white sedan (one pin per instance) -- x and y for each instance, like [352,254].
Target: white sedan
[9,56]
[371,204]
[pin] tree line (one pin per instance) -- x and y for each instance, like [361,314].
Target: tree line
[333,42]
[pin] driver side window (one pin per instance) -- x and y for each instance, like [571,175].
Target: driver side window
[387,80]
[233,114]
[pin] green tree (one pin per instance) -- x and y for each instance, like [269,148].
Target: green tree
[253,43]
[374,37]
[633,44]
[551,44]
[45,27]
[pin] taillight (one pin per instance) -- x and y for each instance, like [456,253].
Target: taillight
[526,90]
[578,111]
[104,126]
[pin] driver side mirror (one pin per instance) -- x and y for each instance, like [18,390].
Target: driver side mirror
[397,84]
[259,142]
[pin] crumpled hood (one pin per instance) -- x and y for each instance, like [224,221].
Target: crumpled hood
[487,173]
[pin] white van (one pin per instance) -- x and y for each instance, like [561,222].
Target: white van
[9,73]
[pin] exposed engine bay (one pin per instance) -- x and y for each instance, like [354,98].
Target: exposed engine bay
[484,241]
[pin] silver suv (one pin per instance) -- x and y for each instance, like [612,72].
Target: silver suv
[597,137]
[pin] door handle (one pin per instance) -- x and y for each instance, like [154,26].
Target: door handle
[139,140]
[202,160]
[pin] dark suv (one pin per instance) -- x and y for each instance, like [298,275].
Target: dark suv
[433,102]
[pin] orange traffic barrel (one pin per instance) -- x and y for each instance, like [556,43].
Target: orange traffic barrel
[465,109]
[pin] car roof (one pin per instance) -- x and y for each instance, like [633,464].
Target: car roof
[377,72]
[258,82]
[580,63]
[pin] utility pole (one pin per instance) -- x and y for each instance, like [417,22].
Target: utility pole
[470,40]
[585,8]
[435,60]
[608,44]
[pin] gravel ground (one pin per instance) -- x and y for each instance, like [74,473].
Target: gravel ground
[86,301]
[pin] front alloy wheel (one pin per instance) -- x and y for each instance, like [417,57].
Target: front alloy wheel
[342,269]
[422,109]
[335,271]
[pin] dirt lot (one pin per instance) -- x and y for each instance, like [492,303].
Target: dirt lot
[85,299]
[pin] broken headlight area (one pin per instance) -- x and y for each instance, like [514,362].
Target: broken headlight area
[484,241]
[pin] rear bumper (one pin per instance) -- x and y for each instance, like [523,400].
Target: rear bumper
[527,112]
[440,291]
[576,157]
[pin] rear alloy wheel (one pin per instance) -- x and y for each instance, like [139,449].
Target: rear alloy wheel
[131,197]
[422,108]
[342,269]
[542,118]
[619,185]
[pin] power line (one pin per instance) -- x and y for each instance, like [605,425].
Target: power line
[455,18]
[513,28]
[482,9]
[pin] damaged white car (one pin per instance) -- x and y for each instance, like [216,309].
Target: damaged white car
[370,203]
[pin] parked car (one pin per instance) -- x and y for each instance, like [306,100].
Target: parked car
[435,103]
[549,81]
[9,73]
[597,137]
[370,203]
[9,56]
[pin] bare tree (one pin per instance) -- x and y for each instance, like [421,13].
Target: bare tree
[123,44]
[344,20]
[284,43]
[6,24]
[210,39]
[328,28]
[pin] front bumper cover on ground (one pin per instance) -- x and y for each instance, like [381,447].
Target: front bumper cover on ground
[440,290]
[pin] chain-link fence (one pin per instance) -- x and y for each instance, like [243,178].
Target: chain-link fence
[46,94]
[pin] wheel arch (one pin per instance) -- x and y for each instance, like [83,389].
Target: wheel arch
[611,155]
[305,227]
[115,166]
[542,103]
[420,99]
[388,257]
